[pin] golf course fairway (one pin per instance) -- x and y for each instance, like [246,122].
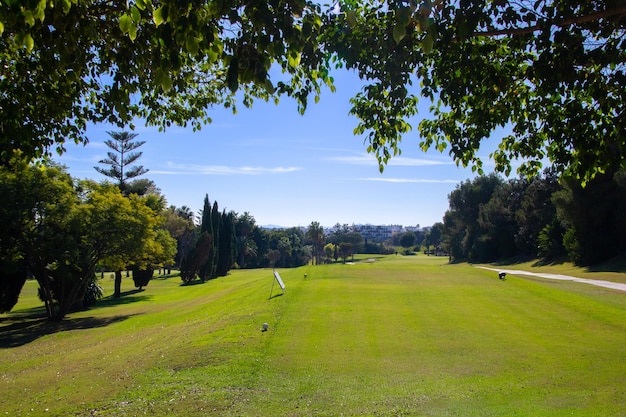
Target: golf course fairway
[380,336]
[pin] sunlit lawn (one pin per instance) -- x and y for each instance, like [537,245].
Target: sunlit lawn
[399,336]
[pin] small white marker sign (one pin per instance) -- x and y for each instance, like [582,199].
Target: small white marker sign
[280,281]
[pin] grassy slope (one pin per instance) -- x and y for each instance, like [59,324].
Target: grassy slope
[402,336]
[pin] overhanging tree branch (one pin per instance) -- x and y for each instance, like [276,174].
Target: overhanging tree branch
[616,11]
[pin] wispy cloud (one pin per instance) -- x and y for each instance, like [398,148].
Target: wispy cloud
[177,169]
[415,162]
[409,180]
[362,159]
[368,159]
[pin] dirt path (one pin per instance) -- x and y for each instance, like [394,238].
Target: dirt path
[600,283]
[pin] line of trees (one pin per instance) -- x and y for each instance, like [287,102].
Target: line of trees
[61,231]
[490,219]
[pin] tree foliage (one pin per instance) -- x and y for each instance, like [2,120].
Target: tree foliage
[120,159]
[408,239]
[59,230]
[595,227]
[315,234]
[34,227]
[66,63]
[213,252]
[549,71]
[491,219]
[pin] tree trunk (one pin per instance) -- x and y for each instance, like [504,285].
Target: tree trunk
[118,284]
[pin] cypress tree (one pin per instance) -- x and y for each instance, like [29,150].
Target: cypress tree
[226,244]
[215,224]
[206,228]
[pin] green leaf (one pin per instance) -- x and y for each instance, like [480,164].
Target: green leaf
[351,17]
[157,16]
[1,28]
[28,42]
[399,32]
[213,53]
[427,43]
[66,5]
[25,40]
[232,77]
[294,59]
[192,45]
[125,23]
[136,14]
[132,33]
[29,18]
[403,16]
[162,78]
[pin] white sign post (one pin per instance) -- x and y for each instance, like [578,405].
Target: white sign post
[280,283]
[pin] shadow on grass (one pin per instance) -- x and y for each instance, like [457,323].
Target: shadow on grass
[25,328]
[191,283]
[124,299]
[164,277]
[617,264]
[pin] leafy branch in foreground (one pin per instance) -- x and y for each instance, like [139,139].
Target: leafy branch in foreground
[552,71]
[548,73]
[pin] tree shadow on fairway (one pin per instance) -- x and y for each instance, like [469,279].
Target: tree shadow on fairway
[617,264]
[124,299]
[22,329]
[192,283]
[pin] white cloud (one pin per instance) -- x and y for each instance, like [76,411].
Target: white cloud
[178,169]
[415,162]
[362,159]
[369,159]
[410,180]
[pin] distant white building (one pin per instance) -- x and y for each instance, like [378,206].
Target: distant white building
[378,233]
[375,233]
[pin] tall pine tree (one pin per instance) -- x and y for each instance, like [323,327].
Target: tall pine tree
[120,159]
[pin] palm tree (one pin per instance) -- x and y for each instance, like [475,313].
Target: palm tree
[244,244]
[315,232]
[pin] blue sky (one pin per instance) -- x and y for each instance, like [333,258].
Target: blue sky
[289,170]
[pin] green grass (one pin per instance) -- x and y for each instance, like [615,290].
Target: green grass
[408,336]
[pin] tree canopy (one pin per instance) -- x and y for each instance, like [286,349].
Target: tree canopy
[58,231]
[68,62]
[547,73]
[491,219]
[551,70]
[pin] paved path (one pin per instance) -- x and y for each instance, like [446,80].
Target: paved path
[600,283]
